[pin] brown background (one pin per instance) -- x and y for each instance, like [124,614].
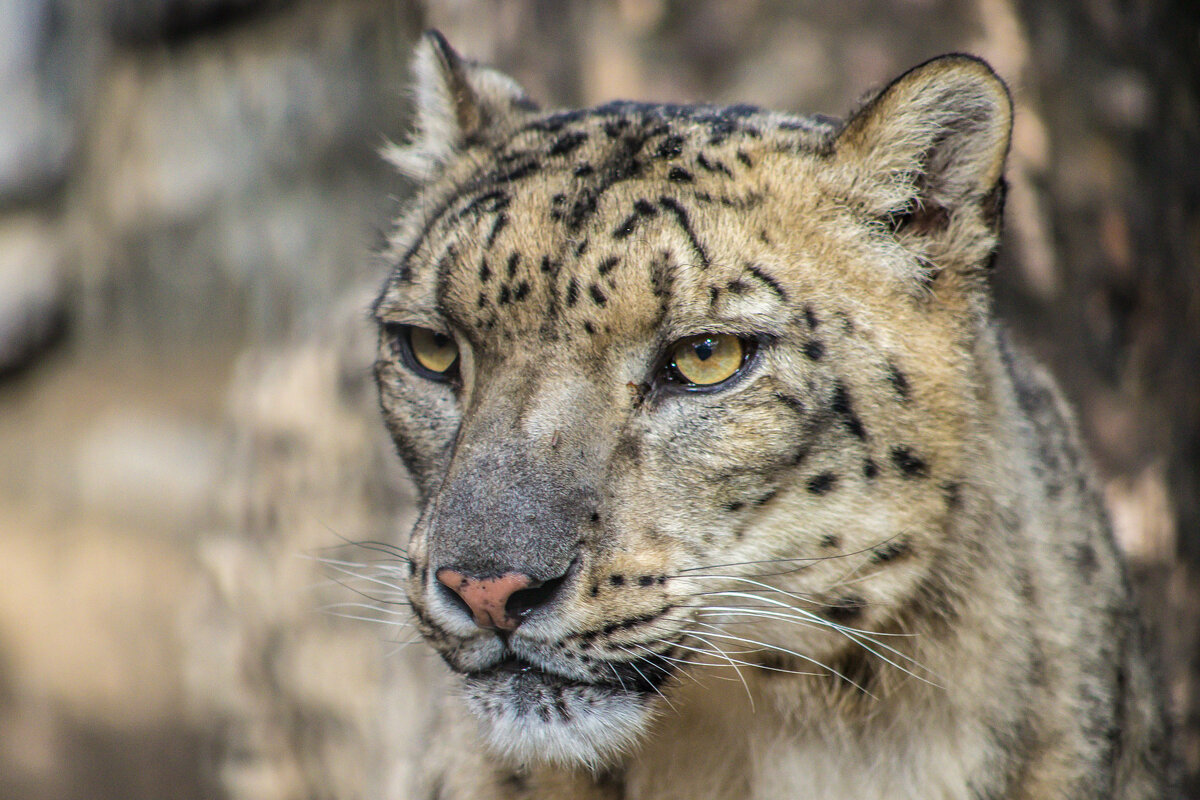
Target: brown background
[188,197]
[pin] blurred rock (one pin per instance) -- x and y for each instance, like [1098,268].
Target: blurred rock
[32,289]
[42,66]
[143,20]
[297,685]
[161,470]
[233,185]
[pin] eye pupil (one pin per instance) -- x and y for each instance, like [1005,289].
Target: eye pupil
[704,349]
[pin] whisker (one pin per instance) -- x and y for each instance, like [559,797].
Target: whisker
[801,617]
[369,544]
[752,664]
[772,590]
[400,647]
[633,665]
[764,587]
[382,578]
[732,663]
[617,675]
[362,618]
[382,566]
[856,638]
[716,652]
[665,657]
[365,606]
[373,598]
[766,646]
[855,635]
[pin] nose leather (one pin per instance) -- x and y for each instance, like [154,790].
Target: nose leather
[487,597]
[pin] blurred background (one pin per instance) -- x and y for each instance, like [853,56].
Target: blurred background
[189,197]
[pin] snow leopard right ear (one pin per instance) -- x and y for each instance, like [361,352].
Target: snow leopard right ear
[457,103]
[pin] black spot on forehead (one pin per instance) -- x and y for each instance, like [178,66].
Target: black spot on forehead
[843,406]
[679,175]
[498,225]
[567,143]
[909,463]
[683,219]
[713,165]
[821,483]
[670,147]
[899,381]
[642,208]
[767,280]
[489,202]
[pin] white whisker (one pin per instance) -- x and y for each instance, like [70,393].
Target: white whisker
[732,663]
[766,646]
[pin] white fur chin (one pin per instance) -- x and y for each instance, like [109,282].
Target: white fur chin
[524,725]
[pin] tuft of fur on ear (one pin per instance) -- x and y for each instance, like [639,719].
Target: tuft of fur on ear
[457,103]
[932,145]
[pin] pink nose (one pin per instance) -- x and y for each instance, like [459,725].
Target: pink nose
[487,597]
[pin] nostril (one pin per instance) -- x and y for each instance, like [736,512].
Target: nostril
[520,604]
[454,598]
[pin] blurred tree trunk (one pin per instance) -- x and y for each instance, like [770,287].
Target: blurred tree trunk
[1119,85]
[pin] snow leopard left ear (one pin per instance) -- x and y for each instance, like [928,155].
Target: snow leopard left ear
[930,148]
[457,103]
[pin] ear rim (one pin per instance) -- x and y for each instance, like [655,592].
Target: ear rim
[455,102]
[452,73]
[920,94]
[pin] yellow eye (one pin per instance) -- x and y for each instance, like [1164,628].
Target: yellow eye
[708,359]
[433,351]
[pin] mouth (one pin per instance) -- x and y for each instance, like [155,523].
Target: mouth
[531,712]
[643,676]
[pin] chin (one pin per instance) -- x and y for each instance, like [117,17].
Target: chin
[529,716]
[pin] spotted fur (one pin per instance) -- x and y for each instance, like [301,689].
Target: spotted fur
[872,564]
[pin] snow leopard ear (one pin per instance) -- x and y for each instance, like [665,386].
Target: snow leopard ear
[931,146]
[457,103]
